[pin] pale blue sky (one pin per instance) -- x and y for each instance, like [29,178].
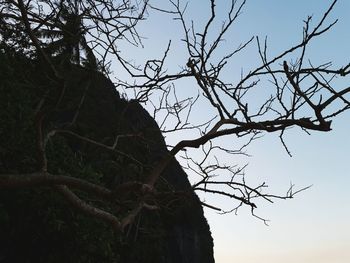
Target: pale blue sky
[314,227]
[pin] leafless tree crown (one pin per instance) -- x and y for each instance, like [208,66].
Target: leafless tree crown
[302,94]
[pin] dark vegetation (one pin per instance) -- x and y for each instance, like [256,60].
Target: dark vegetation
[86,176]
[44,227]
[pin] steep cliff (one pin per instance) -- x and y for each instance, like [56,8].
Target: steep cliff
[39,224]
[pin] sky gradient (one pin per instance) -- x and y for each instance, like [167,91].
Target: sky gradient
[314,226]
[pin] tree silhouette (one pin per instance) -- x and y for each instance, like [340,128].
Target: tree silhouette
[66,40]
[302,95]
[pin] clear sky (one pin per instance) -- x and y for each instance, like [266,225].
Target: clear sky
[315,226]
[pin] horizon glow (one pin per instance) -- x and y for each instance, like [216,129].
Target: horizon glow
[314,226]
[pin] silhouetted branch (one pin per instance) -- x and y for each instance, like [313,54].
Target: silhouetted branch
[301,94]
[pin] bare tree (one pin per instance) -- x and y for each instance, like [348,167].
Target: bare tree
[301,94]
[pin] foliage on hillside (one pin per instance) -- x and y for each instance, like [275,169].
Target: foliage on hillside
[37,225]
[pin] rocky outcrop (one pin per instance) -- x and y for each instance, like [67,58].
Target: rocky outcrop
[38,223]
[179,232]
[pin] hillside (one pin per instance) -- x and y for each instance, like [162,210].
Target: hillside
[38,225]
